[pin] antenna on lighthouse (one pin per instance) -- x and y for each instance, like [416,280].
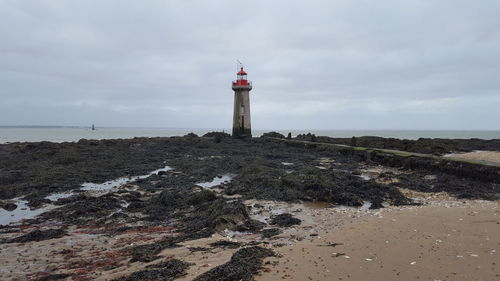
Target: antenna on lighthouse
[240,64]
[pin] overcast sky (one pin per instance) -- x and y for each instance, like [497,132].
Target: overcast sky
[329,64]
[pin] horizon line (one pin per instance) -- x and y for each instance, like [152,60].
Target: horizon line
[257,129]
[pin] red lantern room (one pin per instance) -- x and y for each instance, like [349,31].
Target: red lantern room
[241,79]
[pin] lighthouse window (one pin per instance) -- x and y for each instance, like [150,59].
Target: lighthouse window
[242,110]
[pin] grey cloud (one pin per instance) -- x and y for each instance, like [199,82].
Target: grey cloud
[316,64]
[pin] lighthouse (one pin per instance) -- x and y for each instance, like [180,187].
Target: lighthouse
[241,115]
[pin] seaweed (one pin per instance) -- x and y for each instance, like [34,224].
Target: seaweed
[226,244]
[243,265]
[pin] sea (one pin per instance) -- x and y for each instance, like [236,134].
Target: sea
[72,134]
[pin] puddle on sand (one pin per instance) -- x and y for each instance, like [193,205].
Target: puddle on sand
[216,181]
[366,205]
[21,212]
[231,233]
[317,205]
[90,186]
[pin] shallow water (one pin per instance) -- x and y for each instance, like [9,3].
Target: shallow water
[21,212]
[216,181]
[57,196]
[90,186]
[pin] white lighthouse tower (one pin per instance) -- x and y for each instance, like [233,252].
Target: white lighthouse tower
[241,116]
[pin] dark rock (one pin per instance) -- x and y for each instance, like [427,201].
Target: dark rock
[8,206]
[270,232]
[285,220]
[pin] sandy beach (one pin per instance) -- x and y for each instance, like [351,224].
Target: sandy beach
[490,156]
[441,241]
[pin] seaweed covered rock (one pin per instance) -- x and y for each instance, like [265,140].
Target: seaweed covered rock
[8,177]
[36,200]
[216,134]
[270,232]
[438,146]
[149,252]
[196,214]
[243,265]
[191,135]
[263,181]
[307,137]
[174,199]
[273,135]
[82,209]
[39,235]
[199,212]
[220,215]
[165,271]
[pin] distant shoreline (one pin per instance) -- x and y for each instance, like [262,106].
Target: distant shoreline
[263,130]
[75,133]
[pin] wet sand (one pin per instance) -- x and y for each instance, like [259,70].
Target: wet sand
[440,241]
